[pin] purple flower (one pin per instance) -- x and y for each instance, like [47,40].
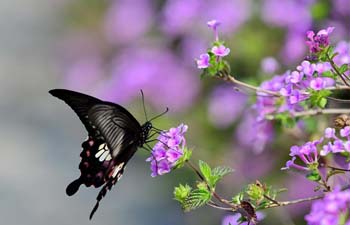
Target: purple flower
[345,132]
[203,61]
[296,77]
[307,153]
[319,41]
[213,24]
[330,209]
[329,132]
[317,84]
[168,150]
[220,51]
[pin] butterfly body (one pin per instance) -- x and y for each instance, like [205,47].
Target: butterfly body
[113,138]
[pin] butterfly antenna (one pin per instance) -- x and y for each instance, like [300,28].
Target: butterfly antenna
[167,109]
[143,104]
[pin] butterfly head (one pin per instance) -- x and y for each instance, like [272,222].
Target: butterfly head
[146,128]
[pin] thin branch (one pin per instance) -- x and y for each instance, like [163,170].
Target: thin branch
[335,68]
[340,169]
[313,112]
[249,86]
[285,203]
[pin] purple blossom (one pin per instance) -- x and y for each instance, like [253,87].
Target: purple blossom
[329,132]
[168,150]
[220,51]
[345,132]
[317,84]
[146,73]
[319,41]
[203,61]
[214,24]
[128,20]
[330,209]
[307,153]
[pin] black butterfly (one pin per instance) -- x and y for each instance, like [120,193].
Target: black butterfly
[113,138]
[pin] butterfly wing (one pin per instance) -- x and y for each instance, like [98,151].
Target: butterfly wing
[80,103]
[111,128]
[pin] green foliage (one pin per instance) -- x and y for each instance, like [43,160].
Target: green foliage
[181,192]
[319,98]
[196,199]
[344,68]
[187,153]
[255,192]
[212,177]
[314,175]
[285,119]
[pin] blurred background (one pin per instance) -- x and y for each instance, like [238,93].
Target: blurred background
[112,49]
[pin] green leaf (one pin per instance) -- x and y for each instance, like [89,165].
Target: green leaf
[221,171]
[217,174]
[313,175]
[196,199]
[343,68]
[286,120]
[255,192]
[205,170]
[187,153]
[181,192]
[322,102]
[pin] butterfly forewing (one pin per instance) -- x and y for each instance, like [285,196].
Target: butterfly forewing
[121,129]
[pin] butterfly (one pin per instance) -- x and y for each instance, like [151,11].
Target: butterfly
[114,135]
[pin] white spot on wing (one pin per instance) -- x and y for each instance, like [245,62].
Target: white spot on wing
[117,169]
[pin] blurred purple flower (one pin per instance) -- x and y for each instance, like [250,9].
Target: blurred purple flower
[225,105]
[154,71]
[84,73]
[203,61]
[213,24]
[343,50]
[172,23]
[220,51]
[329,210]
[294,47]
[269,65]
[127,20]
[341,7]
[254,134]
[231,13]
[294,15]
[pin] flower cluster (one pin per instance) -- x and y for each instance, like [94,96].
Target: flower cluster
[217,51]
[310,151]
[336,144]
[333,209]
[307,153]
[168,150]
[317,42]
